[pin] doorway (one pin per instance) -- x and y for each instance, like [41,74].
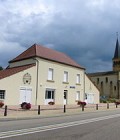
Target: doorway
[65,97]
[25,95]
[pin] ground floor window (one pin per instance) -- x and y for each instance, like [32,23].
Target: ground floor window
[49,96]
[2,94]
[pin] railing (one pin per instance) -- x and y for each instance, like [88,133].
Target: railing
[53,110]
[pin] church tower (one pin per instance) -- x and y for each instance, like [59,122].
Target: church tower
[116,58]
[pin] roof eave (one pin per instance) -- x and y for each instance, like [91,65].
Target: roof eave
[49,60]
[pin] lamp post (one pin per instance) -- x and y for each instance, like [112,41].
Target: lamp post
[36,80]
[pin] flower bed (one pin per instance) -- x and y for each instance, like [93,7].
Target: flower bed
[1,104]
[51,103]
[117,102]
[26,105]
[81,103]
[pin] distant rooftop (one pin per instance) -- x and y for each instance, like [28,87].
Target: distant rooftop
[102,73]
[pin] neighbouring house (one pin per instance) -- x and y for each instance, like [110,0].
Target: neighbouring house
[41,75]
[109,82]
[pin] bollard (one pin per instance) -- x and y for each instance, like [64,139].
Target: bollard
[5,112]
[96,106]
[64,108]
[107,105]
[82,107]
[38,109]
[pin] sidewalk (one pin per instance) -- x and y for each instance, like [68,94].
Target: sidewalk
[16,113]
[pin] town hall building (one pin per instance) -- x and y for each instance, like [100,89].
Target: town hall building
[41,75]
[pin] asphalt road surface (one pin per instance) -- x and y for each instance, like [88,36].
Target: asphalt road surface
[101,125]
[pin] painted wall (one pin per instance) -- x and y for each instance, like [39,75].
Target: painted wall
[90,88]
[109,90]
[12,84]
[58,83]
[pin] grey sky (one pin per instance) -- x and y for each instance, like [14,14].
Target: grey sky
[83,29]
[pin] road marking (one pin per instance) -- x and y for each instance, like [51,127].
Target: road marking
[15,133]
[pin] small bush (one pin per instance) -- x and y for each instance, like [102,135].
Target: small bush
[25,105]
[117,102]
[1,104]
[81,103]
[51,103]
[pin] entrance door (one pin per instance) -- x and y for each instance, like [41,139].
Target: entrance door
[25,95]
[49,96]
[90,98]
[65,97]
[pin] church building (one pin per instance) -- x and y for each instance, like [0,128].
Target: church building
[109,82]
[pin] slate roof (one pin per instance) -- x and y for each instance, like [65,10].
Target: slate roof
[46,53]
[117,50]
[11,71]
[102,73]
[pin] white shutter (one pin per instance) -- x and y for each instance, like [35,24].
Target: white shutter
[78,79]
[78,95]
[25,95]
[50,74]
[65,76]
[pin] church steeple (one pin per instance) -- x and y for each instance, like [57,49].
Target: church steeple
[116,58]
[117,50]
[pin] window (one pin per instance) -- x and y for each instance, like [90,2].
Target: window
[50,74]
[78,79]
[49,94]
[2,94]
[78,95]
[65,76]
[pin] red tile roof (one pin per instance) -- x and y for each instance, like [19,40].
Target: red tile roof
[46,53]
[11,71]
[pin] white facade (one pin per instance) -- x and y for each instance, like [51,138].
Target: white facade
[45,82]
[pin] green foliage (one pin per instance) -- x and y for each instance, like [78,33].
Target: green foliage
[109,100]
[1,68]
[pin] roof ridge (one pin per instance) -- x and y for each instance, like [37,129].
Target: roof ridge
[48,54]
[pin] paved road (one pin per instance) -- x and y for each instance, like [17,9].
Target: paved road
[87,126]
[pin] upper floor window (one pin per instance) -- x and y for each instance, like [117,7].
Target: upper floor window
[2,94]
[78,79]
[50,74]
[65,76]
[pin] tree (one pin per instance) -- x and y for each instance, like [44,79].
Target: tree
[1,68]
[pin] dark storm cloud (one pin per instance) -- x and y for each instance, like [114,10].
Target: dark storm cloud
[84,30]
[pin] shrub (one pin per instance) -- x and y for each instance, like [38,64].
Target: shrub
[1,104]
[117,102]
[81,103]
[25,105]
[51,103]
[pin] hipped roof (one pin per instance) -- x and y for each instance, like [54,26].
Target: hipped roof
[11,71]
[46,53]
